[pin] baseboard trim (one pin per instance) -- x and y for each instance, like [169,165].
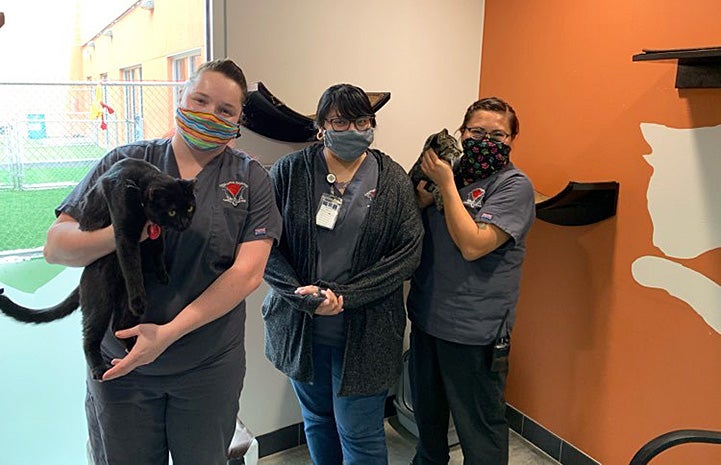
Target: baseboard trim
[281,439]
[535,433]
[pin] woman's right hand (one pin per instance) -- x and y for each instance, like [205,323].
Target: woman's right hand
[332,305]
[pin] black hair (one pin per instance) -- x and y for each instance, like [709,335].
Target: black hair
[349,101]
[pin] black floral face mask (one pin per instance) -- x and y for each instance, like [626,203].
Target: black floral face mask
[481,158]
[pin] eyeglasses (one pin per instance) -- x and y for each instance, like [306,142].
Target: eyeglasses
[481,133]
[342,124]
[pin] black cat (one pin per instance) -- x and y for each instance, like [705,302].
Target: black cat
[131,193]
[446,147]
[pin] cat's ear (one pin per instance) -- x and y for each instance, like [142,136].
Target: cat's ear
[444,132]
[430,141]
[189,184]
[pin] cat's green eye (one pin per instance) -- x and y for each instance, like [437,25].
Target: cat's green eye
[171,213]
[190,209]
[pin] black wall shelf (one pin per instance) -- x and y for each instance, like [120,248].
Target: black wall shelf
[579,203]
[268,116]
[696,68]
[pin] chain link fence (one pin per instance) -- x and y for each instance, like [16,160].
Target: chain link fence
[51,134]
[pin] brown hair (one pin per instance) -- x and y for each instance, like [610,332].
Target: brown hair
[497,105]
[227,68]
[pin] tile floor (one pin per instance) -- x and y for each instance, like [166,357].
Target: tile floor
[401,445]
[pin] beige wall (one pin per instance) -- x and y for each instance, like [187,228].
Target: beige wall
[426,53]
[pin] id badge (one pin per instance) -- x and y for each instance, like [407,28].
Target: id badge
[328,211]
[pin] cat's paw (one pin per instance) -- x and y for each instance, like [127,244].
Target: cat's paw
[438,199]
[97,372]
[137,305]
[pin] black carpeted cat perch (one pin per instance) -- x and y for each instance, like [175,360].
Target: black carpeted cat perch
[268,116]
[579,203]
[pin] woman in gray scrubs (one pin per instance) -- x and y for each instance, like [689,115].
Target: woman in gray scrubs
[463,296]
[334,314]
[177,390]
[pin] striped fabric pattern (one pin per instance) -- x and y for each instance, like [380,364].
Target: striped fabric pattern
[204,131]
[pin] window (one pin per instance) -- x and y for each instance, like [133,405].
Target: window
[185,65]
[133,99]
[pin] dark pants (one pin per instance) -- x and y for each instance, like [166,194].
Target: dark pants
[138,420]
[447,376]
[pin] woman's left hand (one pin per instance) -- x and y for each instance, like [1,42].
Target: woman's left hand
[152,340]
[308,290]
[439,171]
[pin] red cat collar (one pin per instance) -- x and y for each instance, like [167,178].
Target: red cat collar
[153,231]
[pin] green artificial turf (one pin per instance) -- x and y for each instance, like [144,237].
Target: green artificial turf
[26,215]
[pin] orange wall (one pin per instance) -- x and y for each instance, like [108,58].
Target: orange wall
[601,361]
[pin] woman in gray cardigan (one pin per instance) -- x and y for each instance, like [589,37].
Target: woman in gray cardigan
[334,314]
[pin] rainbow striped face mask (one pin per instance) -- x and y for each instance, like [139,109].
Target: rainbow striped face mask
[204,131]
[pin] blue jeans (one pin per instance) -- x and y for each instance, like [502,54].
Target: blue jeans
[340,430]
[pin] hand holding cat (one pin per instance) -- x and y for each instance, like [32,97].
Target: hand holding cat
[439,171]
[152,340]
[424,197]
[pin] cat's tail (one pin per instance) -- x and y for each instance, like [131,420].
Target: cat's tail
[42,315]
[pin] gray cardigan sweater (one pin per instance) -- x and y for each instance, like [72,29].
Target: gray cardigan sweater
[387,253]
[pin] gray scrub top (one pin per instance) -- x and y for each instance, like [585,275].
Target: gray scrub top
[234,204]
[335,247]
[465,301]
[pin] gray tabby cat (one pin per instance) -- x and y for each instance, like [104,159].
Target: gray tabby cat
[446,147]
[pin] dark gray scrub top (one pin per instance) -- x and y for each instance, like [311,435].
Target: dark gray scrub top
[465,301]
[234,204]
[336,246]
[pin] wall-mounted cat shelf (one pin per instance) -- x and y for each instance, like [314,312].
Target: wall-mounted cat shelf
[697,67]
[270,117]
[579,203]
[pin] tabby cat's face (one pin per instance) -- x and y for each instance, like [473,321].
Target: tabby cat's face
[171,203]
[446,147]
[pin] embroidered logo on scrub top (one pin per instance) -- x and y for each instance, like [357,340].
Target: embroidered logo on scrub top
[234,192]
[370,195]
[475,198]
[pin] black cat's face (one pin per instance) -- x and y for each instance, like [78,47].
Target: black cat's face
[171,204]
